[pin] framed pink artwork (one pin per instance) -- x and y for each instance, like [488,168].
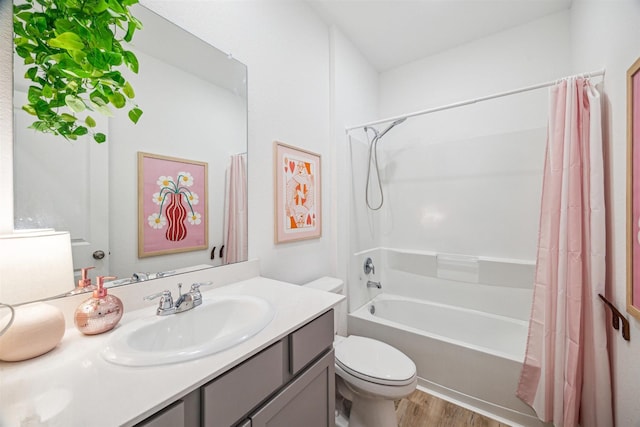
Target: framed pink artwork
[172,205]
[633,190]
[298,212]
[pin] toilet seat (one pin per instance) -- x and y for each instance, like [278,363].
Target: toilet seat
[374,361]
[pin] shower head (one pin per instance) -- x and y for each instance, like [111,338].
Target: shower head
[396,122]
[379,135]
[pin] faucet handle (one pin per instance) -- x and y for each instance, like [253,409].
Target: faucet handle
[166,302]
[196,286]
[195,292]
[369,267]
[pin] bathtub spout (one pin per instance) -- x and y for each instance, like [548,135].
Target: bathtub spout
[371,284]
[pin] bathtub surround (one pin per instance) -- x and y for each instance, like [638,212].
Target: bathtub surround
[467,343]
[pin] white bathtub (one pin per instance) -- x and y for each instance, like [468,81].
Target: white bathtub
[469,357]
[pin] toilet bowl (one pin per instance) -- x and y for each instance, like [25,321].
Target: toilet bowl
[372,375]
[369,373]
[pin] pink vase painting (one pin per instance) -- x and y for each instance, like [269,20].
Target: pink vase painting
[176,215]
[173,208]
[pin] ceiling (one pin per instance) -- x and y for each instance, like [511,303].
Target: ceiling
[390,33]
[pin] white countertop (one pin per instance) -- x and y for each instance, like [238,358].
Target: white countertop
[74,386]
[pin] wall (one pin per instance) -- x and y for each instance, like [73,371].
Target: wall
[606,34]
[355,100]
[286,49]
[468,180]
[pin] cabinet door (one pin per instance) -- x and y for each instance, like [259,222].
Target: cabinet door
[232,396]
[308,401]
[172,416]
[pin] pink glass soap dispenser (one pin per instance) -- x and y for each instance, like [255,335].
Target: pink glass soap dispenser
[100,313]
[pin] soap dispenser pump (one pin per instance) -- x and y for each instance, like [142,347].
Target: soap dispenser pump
[101,312]
[85,281]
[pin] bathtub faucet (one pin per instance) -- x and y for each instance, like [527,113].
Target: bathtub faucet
[371,284]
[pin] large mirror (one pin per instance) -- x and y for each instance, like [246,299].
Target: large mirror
[194,99]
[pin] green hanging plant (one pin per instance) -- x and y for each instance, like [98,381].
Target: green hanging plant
[72,49]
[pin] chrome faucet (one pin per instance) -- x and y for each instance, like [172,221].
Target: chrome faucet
[140,277]
[185,301]
[372,284]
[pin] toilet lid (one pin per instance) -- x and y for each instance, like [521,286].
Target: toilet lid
[374,361]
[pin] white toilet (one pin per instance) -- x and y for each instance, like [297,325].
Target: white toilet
[369,373]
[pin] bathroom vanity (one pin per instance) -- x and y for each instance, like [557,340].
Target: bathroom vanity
[283,375]
[290,383]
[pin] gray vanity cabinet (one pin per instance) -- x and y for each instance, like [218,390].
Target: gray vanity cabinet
[289,384]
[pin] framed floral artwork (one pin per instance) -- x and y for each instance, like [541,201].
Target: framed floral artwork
[633,190]
[172,205]
[298,212]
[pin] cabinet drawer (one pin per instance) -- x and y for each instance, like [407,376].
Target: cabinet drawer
[308,342]
[230,397]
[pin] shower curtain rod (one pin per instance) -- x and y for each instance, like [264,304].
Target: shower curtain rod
[473,101]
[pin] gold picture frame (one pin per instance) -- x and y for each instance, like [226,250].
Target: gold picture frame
[173,214]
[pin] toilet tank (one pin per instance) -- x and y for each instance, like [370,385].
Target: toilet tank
[335,286]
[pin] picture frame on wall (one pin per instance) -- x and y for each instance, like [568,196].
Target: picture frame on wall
[172,205]
[298,196]
[633,189]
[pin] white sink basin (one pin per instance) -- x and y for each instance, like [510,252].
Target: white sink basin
[218,324]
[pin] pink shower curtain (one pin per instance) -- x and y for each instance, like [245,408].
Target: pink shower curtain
[236,216]
[566,373]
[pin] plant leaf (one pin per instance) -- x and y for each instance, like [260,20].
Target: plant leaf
[118,100]
[131,60]
[31,73]
[33,94]
[134,114]
[102,109]
[67,41]
[90,122]
[80,130]
[40,126]
[47,92]
[22,52]
[29,109]
[74,103]
[100,137]
[128,90]
[68,118]
[131,28]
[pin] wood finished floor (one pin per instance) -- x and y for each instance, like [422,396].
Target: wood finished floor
[423,410]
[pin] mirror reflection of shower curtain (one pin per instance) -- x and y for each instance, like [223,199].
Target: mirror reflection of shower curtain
[235,221]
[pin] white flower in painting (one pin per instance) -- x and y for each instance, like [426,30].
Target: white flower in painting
[185,179]
[194,218]
[164,181]
[193,198]
[157,198]
[156,221]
